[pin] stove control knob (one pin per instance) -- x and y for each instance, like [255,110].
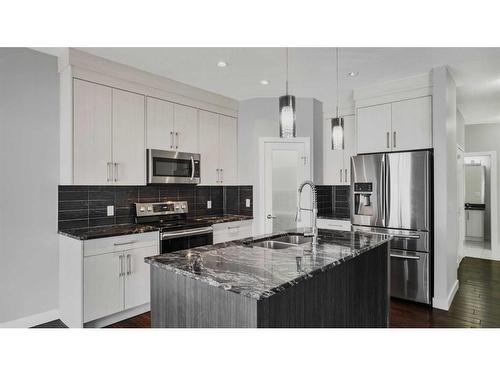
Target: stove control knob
[142,209]
[183,207]
[150,208]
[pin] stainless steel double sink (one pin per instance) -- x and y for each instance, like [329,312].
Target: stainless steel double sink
[283,242]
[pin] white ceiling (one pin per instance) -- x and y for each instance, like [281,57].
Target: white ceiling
[312,71]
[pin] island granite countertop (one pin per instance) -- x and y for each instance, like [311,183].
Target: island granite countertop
[257,272]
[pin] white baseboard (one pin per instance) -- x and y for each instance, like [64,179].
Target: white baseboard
[444,304]
[32,320]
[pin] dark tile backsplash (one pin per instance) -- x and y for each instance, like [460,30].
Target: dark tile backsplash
[333,201]
[86,206]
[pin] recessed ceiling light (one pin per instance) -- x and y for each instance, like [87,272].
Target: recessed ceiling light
[352,74]
[264,82]
[222,64]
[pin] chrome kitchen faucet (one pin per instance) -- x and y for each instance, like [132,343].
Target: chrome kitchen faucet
[314,210]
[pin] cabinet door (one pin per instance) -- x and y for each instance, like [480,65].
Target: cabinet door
[209,148]
[334,159]
[228,150]
[349,146]
[159,124]
[185,128]
[102,285]
[412,124]
[129,151]
[137,276]
[475,224]
[374,128]
[92,133]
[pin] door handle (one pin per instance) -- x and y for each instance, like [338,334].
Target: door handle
[413,237]
[171,139]
[177,136]
[388,136]
[269,216]
[221,175]
[394,140]
[192,168]
[109,165]
[218,176]
[129,264]
[123,243]
[120,259]
[115,170]
[345,175]
[340,170]
[409,257]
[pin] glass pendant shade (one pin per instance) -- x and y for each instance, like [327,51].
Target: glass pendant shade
[287,116]
[337,133]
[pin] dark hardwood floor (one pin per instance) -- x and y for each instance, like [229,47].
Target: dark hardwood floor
[476,304]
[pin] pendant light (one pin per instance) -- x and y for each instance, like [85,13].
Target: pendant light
[287,110]
[338,122]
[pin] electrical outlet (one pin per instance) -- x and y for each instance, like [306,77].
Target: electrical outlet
[209,204]
[111,210]
[247,202]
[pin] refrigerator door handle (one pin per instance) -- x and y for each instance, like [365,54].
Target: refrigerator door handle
[387,196]
[382,189]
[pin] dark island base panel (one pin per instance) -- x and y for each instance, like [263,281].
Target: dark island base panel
[353,294]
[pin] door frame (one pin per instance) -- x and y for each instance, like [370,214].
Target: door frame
[261,224]
[494,197]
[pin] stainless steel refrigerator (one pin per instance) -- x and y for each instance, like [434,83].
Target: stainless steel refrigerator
[392,193]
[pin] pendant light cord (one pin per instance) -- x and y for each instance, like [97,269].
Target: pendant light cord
[338,113]
[286,71]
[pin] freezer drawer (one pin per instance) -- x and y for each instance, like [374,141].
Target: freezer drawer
[402,239]
[410,276]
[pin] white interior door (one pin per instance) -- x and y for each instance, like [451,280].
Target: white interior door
[137,276]
[129,151]
[286,166]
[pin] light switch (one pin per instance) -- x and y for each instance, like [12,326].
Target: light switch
[247,202]
[111,210]
[209,204]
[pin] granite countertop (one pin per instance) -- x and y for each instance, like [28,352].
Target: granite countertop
[124,229]
[258,272]
[108,231]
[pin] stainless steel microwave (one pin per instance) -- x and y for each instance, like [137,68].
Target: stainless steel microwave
[171,167]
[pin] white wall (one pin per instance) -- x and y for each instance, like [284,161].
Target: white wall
[258,118]
[445,188]
[460,130]
[484,137]
[29,171]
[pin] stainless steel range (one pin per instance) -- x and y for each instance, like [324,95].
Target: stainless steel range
[177,231]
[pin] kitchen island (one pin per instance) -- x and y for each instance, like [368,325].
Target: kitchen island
[275,281]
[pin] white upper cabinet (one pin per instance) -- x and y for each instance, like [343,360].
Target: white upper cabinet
[398,126]
[337,169]
[228,150]
[109,139]
[218,149]
[209,143]
[374,128]
[129,156]
[159,124]
[92,133]
[412,124]
[185,128]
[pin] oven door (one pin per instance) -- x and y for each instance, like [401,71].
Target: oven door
[186,239]
[166,167]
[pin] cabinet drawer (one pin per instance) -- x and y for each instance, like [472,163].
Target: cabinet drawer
[119,243]
[334,224]
[232,231]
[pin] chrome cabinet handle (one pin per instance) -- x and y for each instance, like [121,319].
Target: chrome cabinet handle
[123,243]
[192,168]
[171,139]
[235,227]
[269,216]
[129,264]
[221,175]
[413,237]
[109,165]
[345,175]
[217,171]
[340,174]
[115,169]
[177,136]
[120,258]
[388,136]
[394,140]
[409,257]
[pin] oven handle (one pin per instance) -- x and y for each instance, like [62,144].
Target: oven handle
[186,233]
[192,168]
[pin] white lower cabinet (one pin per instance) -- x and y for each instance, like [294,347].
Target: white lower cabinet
[137,277]
[474,225]
[232,231]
